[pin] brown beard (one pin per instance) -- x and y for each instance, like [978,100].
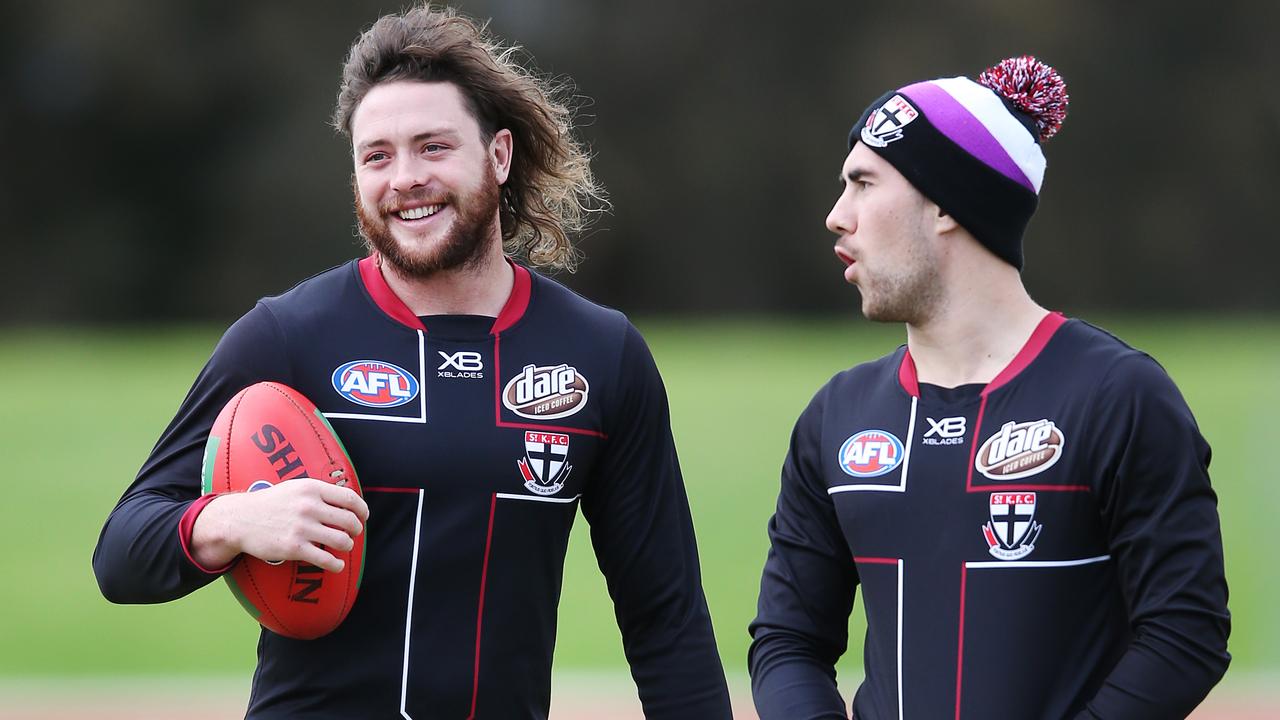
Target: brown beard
[463,245]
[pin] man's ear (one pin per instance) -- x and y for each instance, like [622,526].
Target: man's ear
[943,222]
[500,148]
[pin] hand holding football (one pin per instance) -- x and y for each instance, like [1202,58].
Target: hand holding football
[289,507]
[299,519]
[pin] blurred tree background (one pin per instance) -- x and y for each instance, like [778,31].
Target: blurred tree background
[172,161]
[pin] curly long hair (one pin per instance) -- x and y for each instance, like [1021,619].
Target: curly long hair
[550,193]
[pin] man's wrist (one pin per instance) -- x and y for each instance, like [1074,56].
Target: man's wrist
[204,536]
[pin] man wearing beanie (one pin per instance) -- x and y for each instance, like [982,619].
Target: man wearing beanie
[1023,499]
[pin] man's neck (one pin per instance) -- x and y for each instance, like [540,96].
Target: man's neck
[976,333]
[481,289]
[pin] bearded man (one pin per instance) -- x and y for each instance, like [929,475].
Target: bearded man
[517,403]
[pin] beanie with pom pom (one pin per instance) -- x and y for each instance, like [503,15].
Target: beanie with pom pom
[973,147]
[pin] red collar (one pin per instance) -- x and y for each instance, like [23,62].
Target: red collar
[1039,338]
[391,304]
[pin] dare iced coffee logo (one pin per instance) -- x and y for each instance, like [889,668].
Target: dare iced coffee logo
[546,392]
[1020,449]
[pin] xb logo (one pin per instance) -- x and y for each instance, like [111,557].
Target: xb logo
[462,364]
[946,427]
[947,431]
[465,361]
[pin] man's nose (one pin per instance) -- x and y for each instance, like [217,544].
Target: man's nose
[841,220]
[410,172]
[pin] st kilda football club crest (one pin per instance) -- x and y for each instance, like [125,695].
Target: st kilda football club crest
[543,466]
[1012,531]
[886,123]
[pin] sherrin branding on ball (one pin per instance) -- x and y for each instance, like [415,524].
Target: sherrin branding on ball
[269,433]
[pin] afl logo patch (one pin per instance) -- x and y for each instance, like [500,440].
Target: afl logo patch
[546,393]
[374,383]
[1020,449]
[870,453]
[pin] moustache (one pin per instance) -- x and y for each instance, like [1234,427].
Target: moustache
[413,198]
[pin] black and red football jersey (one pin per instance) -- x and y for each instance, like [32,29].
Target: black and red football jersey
[1043,546]
[476,440]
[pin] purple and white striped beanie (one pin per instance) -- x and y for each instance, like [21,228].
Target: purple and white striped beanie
[973,147]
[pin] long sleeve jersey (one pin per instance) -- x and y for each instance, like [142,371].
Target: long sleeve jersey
[476,440]
[1044,546]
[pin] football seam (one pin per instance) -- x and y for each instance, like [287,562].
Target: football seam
[231,423]
[311,423]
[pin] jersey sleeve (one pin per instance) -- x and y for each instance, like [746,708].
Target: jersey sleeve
[1161,520]
[643,537]
[141,556]
[806,592]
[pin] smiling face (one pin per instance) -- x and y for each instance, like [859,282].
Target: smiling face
[427,181]
[886,240]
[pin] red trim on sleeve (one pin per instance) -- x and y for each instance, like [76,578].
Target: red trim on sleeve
[907,375]
[517,302]
[185,526]
[384,297]
[1039,338]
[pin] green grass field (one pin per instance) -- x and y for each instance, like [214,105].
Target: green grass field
[81,409]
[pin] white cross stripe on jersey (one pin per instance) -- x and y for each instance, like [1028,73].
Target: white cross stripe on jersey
[900,564]
[408,616]
[413,574]
[998,564]
[538,498]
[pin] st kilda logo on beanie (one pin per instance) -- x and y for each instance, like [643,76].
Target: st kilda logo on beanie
[885,124]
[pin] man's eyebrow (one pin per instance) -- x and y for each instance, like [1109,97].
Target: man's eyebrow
[441,133]
[855,175]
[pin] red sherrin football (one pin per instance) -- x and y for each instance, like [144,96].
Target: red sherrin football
[266,434]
